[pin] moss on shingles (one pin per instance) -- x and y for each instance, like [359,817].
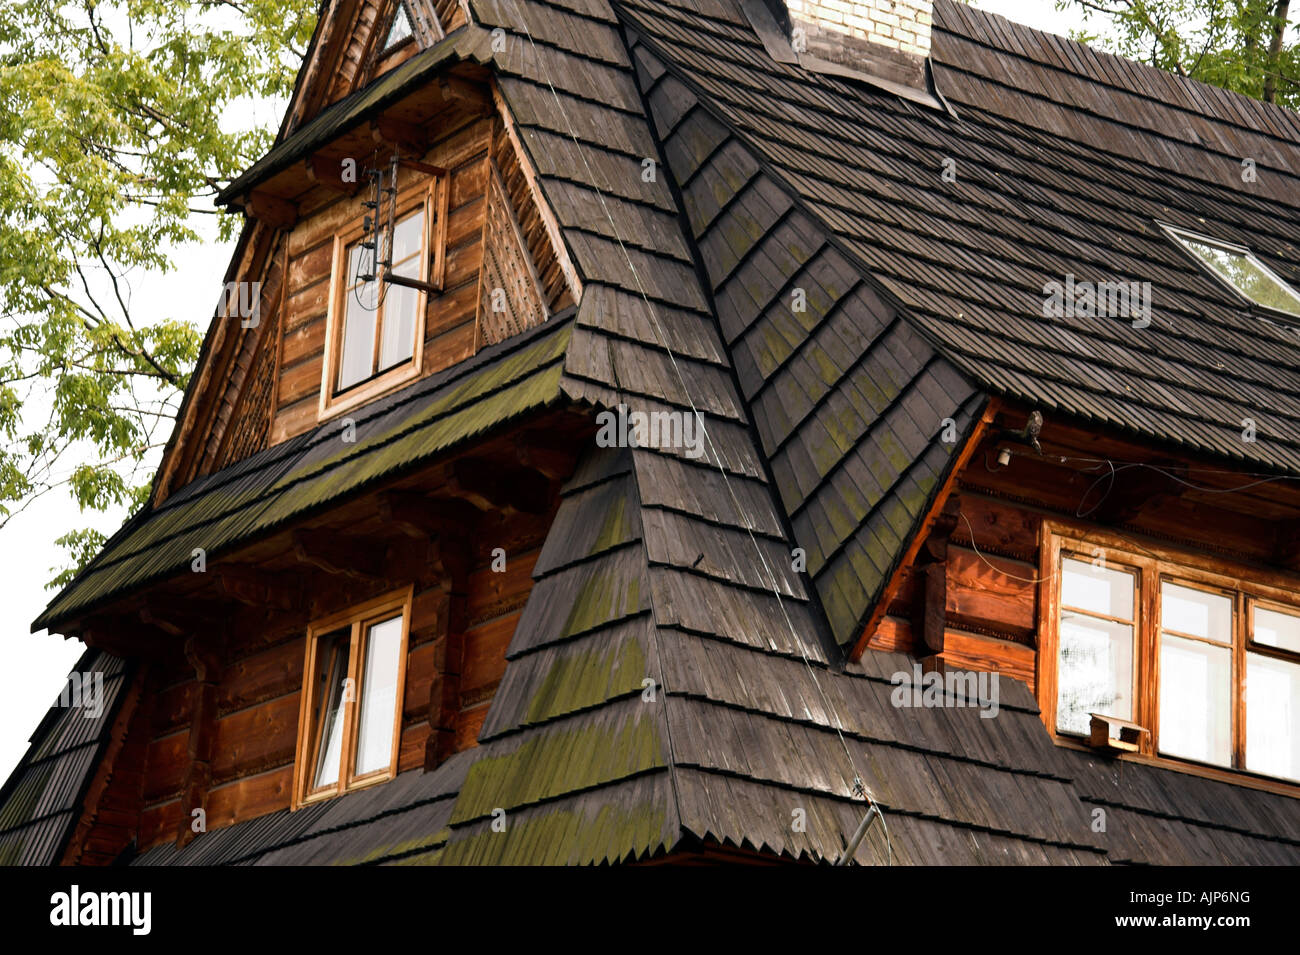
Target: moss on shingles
[558,761]
[604,597]
[432,857]
[566,836]
[577,680]
[618,527]
[433,840]
[490,395]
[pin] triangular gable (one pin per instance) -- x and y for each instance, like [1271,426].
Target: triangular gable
[400,29]
[231,347]
[386,33]
[510,294]
[347,42]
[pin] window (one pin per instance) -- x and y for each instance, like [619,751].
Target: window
[1208,663]
[350,715]
[378,296]
[1238,268]
[400,30]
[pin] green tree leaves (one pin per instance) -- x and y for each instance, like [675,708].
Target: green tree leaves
[119,121]
[1250,46]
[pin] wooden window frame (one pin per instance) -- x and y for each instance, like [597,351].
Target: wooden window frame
[357,618]
[431,193]
[1153,564]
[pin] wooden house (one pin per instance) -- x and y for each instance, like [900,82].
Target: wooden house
[967,352]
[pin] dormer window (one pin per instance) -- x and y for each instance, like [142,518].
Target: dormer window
[1239,269]
[379,292]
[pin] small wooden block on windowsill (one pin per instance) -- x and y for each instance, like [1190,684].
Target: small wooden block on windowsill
[1101,737]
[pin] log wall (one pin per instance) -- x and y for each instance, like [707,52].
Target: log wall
[257,698]
[449,317]
[993,592]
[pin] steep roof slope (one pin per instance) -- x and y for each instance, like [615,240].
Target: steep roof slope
[849,402]
[40,803]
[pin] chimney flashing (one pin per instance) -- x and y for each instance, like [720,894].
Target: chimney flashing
[910,78]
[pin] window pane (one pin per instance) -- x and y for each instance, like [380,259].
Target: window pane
[379,696]
[1088,586]
[1095,671]
[398,345]
[1272,716]
[358,348]
[1195,700]
[408,239]
[1276,629]
[1246,274]
[400,29]
[332,669]
[1195,612]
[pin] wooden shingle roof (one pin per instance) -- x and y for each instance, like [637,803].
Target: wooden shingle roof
[1064,163]
[40,803]
[251,498]
[923,298]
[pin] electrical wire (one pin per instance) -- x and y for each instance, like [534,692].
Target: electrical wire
[1264,477]
[858,785]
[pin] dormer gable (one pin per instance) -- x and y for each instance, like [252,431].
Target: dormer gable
[385,242]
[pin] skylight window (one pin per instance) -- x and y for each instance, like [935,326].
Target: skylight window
[400,30]
[1238,268]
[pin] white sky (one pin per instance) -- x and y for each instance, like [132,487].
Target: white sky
[34,666]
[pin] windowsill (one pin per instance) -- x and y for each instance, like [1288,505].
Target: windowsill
[365,782]
[1236,777]
[368,391]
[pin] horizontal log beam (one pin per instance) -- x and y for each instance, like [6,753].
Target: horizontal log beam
[487,483]
[420,516]
[255,587]
[327,172]
[272,210]
[401,135]
[337,554]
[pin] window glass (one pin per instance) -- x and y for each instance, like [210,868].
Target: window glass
[1243,271]
[1272,716]
[398,343]
[400,29]
[1097,589]
[1095,672]
[391,315]
[331,696]
[408,240]
[1273,628]
[1095,666]
[1195,700]
[1197,613]
[379,696]
[360,305]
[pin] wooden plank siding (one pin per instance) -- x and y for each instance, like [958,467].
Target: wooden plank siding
[351,62]
[450,316]
[258,704]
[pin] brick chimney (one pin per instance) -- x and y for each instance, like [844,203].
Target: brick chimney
[886,38]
